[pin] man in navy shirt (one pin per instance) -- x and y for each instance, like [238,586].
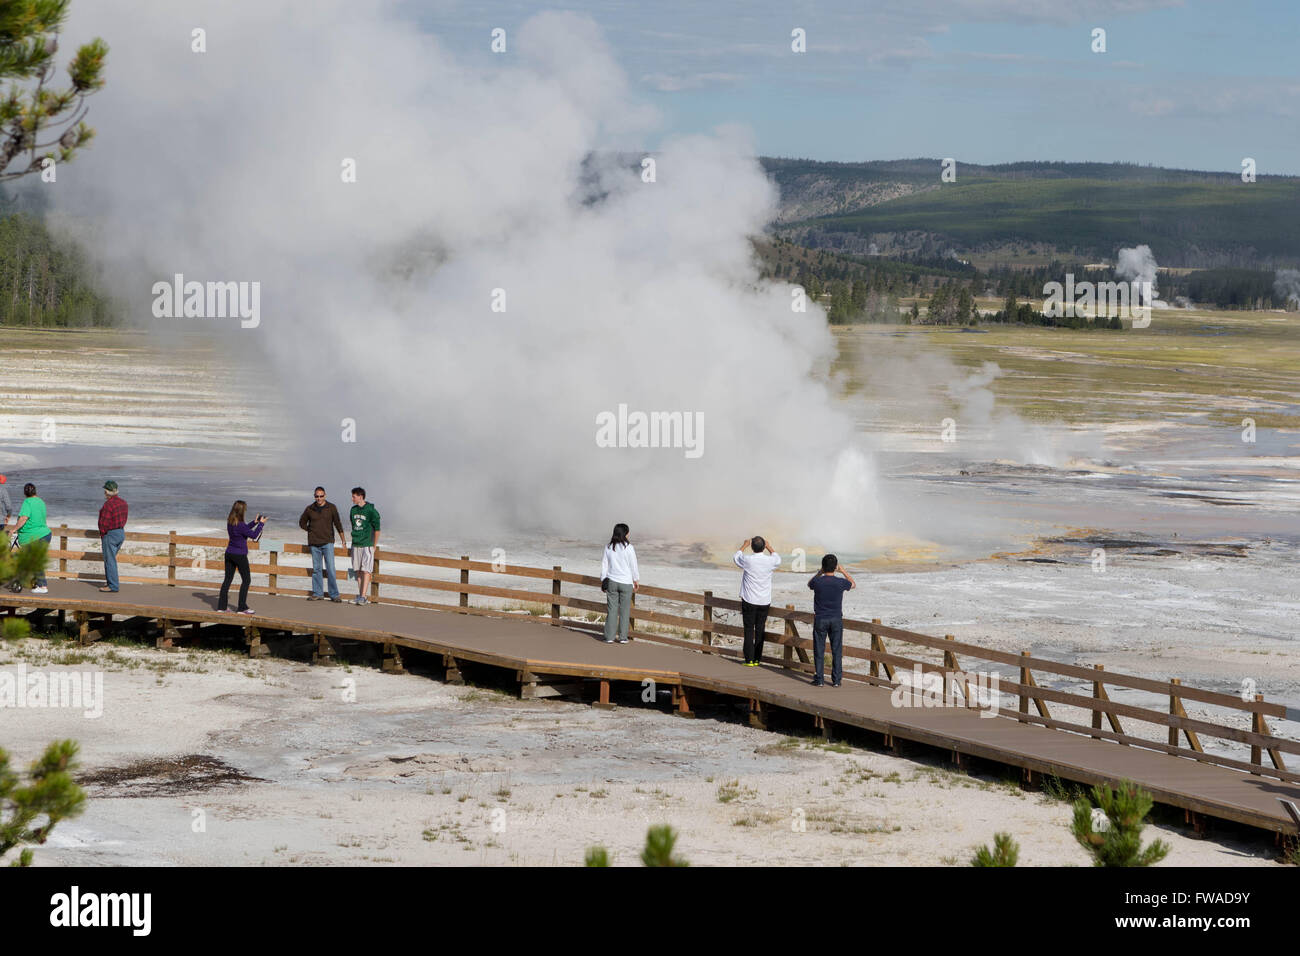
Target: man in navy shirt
[828,617]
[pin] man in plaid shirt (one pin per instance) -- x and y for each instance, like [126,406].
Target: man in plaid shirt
[112,522]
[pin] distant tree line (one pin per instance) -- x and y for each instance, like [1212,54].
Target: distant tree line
[852,302]
[817,270]
[1226,288]
[1023,313]
[953,304]
[45,282]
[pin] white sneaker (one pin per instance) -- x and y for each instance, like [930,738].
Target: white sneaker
[40,590]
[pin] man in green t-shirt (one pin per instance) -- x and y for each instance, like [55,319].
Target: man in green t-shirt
[364,520]
[31,527]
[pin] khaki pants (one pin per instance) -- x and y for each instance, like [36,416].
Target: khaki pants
[618,617]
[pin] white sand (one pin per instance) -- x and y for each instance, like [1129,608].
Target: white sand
[418,772]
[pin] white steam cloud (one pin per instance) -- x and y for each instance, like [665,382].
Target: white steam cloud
[1005,435]
[1286,283]
[1139,265]
[474,173]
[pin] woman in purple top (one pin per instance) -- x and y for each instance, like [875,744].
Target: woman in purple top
[237,555]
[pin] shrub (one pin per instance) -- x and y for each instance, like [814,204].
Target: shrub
[658,850]
[1120,842]
[1005,852]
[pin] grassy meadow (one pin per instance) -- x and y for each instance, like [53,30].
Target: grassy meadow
[1222,365]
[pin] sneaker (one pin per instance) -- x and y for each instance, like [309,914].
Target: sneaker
[621,640]
[337,600]
[836,684]
[247,610]
[315,597]
[40,590]
[817,683]
[223,610]
[359,600]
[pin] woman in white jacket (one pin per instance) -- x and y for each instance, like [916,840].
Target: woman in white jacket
[620,575]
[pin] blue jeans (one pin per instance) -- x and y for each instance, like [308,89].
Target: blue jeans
[111,542]
[834,626]
[325,553]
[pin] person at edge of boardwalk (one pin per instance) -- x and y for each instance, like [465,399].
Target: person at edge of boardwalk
[620,577]
[365,538]
[112,532]
[31,527]
[240,533]
[6,505]
[828,617]
[320,520]
[755,593]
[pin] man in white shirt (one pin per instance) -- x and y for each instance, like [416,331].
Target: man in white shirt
[755,593]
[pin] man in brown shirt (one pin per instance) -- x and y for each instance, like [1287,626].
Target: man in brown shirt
[320,520]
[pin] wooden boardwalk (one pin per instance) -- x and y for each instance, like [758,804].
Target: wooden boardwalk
[536,650]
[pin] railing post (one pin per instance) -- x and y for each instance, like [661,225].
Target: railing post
[1274,754]
[63,546]
[875,665]
[464,581]
[1024,683]
[171,559]
[374,581]
[631,617]
[1173,712]
[787,650]
[707,629]
[1096,695]
[1176,710]
[950,660]
[1257,726]
[274,564]
[555,592]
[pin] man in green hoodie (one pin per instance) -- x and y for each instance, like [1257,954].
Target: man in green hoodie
[364,519]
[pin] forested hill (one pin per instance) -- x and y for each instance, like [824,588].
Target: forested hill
[1085,210]
[893,224]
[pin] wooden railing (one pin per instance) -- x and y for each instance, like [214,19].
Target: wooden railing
[659,608]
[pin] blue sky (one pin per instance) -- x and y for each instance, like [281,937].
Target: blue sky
[1195,84]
